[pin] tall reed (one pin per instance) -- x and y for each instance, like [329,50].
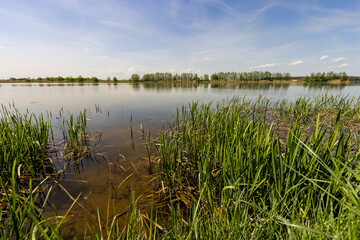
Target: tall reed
[228,173]
[27,162]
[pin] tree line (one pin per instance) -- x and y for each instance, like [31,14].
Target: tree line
[58,79]
[219,76]
[323,77]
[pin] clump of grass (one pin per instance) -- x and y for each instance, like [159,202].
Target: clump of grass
[24,146]
[78,143]
[27,154]
[228,172]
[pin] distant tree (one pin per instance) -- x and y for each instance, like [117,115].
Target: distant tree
[183,77]
[330,75]
[145,77]
[115,79]
[318,76]
[286,76]
[167,76]
[323,77]
[158,76]
[206,77]
[214,77]
[94,79]
[312,76]
[343,76]
[135,77]
[268,76]
[176,77]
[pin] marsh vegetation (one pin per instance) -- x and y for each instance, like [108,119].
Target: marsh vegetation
[242,168]
[32,162]
[262,170]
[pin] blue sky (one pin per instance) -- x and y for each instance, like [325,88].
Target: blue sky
[121,37]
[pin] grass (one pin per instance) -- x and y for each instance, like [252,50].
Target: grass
[241,169]
[231,172]
[28,171]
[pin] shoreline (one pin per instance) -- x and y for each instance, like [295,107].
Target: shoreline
[292,81]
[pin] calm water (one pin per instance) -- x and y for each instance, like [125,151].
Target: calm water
[110,107]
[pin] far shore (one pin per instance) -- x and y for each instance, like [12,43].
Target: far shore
[291,81]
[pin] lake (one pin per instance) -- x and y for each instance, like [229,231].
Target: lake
[110,107]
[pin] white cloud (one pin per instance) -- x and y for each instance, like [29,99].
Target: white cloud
[264,66]
[255,15]
[296,63]
[323,57]
[338,59]
[132,70]
[187,70]
[207,59]
[115,71]
[340,66]
[199,53]
[119,25]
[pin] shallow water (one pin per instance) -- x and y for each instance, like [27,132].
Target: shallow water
[109,108]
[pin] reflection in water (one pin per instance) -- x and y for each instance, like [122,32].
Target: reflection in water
[168,86]
[329,86]
[251,86]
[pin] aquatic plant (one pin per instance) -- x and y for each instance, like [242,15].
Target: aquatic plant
[28,154]
[244,168]
[227,172]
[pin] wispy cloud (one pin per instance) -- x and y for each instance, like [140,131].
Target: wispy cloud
[338,59]
[132,70]
[206,59]
[115,71]
[173,8]
[119,25]
[260,11]
[336,20]
[340,66]
[264,66]
[324,57]
[199,53]
[296,63]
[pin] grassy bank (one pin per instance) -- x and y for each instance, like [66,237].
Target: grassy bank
[262,170]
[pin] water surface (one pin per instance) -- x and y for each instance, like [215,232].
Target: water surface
[109,108]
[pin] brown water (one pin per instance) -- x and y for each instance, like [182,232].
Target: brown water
[109,108]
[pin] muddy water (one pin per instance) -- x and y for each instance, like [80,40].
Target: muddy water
[99,183]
